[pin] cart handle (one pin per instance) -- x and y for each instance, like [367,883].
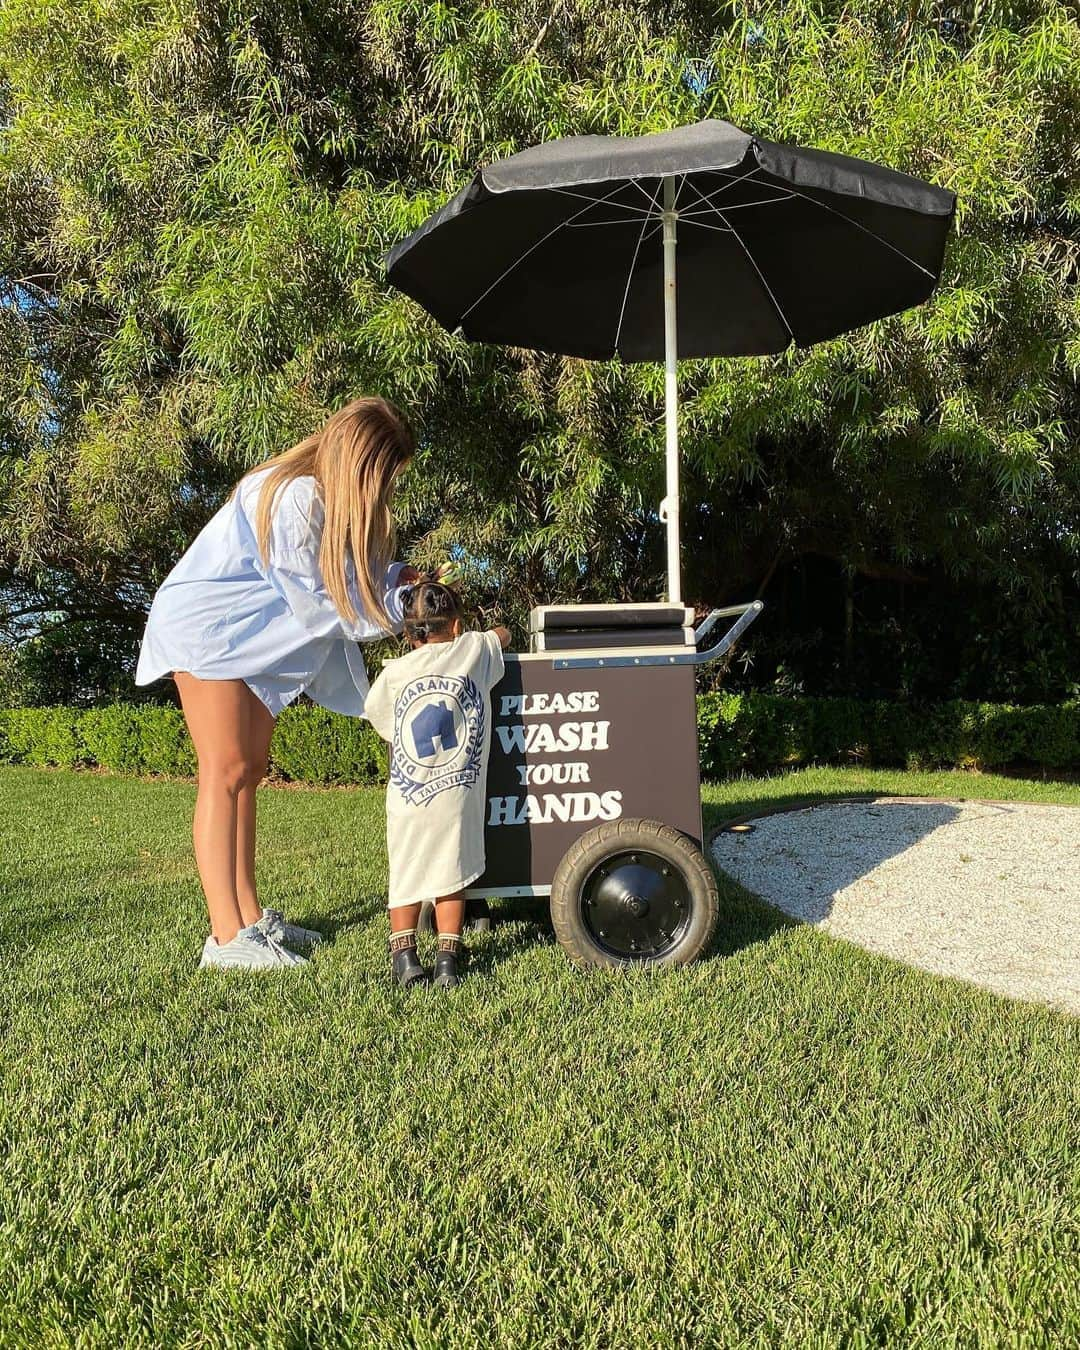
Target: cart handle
[747,614]
[675,657]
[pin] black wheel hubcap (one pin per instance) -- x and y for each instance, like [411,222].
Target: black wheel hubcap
[636,905]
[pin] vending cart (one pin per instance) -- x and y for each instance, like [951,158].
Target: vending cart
[701,240]
[593,788]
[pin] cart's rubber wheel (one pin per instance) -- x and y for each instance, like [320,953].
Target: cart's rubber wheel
[634,892]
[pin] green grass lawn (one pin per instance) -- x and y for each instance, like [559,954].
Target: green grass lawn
[793,1142]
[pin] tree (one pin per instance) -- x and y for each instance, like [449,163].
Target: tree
[197,198]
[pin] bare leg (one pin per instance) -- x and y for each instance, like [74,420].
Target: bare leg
[262,729]
[404,917]
[220,715]
[450,914]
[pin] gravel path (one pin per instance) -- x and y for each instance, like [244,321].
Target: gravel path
[985,892]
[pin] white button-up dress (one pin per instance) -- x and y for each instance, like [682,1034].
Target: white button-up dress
[224,614]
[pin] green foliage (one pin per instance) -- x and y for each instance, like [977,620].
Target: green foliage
[164,744]
[131,739]
[760,733]
[737,733]
[196,198]
[42,736]
[313,745]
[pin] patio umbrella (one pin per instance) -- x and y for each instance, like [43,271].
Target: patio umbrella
[576,246]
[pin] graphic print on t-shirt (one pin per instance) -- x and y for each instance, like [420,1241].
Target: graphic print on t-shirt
[438,737]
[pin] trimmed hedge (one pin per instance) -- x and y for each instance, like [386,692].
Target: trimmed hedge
[759,733]
[310,744]
[313,745]
[738,733]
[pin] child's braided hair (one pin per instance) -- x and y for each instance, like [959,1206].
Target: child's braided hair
[430,609]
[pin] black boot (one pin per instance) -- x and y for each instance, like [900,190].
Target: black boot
[446,961]
[404,963]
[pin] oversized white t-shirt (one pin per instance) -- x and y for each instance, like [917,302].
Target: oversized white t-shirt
[434,707]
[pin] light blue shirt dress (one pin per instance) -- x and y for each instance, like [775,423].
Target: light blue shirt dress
[224,614]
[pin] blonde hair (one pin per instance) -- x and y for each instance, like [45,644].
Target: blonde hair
[354,458]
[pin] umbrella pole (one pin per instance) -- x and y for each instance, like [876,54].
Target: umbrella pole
[669,507]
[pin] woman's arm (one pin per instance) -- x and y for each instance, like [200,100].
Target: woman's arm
[399,577]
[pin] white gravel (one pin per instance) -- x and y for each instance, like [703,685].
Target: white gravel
[982,891]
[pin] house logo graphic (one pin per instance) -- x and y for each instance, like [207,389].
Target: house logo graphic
[439,723]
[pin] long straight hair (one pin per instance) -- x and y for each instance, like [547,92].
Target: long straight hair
[354,458]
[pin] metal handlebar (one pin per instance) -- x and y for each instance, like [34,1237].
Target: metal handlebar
[747,614]
[677,656]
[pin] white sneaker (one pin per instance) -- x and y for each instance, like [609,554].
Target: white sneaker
[274,925]
[250,949]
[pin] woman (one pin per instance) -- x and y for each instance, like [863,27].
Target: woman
[266,604]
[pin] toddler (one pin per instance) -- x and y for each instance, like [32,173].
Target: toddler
[434,707]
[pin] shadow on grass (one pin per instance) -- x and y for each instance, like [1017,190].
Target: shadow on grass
[744,921]
[22,929]
[355,913]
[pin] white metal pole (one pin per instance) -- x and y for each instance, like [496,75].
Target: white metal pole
[669,507]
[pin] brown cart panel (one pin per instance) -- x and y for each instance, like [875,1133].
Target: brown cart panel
[571,749]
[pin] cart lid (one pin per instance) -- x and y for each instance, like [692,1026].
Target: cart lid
[605,617]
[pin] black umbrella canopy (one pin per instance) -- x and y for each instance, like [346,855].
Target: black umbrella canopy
[559,247]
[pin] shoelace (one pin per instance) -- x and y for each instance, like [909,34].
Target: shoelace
[274,945]
[276,927]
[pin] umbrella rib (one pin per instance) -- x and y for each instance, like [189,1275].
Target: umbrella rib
[794,192]
[761,278]
[738,206]
[591,224]
[710,209]
[699,224]
[636,182]
[866,230]
[593,201]
[731,179]
[599,201]
[630,274]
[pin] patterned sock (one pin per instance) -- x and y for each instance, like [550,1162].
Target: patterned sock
[403,940]
[450,942]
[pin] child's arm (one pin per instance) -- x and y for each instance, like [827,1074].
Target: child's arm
[495,667]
